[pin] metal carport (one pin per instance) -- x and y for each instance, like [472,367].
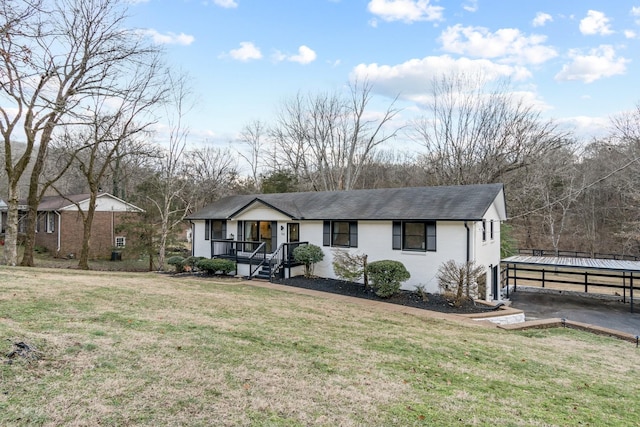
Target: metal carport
[584,268]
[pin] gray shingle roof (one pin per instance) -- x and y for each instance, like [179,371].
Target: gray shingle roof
[52,203]
[464,202]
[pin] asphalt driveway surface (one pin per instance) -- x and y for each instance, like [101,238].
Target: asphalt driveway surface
[605,313]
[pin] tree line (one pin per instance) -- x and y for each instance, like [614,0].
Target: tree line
[81,95]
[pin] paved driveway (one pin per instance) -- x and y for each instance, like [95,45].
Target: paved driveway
[605,313]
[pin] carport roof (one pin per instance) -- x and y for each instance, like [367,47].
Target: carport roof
[568,262]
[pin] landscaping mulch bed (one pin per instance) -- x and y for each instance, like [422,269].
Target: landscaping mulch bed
[434,302]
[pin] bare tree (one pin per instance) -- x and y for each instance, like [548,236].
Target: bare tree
[54,60]
[475,133]
[111,133]
[171,196]
[252,135]
[211,172]
[327,139]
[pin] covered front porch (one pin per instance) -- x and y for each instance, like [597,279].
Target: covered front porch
[256,259]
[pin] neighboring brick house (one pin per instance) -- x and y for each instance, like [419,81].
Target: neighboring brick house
[60,227]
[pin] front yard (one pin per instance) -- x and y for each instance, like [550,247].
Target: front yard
[113,348]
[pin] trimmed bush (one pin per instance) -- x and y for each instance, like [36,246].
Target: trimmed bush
[192,261]
[386,276]
[177,262]
[308,255]
[212,266]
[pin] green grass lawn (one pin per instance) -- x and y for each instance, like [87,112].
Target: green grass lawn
[151,349]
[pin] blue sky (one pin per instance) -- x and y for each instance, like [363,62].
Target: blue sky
[577,60]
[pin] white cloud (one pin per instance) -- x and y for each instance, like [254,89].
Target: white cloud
[246,52]
[541,19]
[227,4]
[586,127]
[595,23]
[169,38]
[305,55]
[405,10]
[635,11]
[471,6]
[630,34]
[599,63]
[413,78]
[508,44]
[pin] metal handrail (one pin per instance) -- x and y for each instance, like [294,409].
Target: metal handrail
[276,260]
[263,247]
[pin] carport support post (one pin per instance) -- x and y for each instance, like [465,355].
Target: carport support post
[586,280]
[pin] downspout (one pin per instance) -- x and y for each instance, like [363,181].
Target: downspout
[58,232]
[468,241]
[193,233]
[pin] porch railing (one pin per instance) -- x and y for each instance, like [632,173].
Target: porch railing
[255,254]
[283,257]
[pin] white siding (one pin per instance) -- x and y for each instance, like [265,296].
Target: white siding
[201,247]
[104,204]
[487,253]
[375,240]
[260,212]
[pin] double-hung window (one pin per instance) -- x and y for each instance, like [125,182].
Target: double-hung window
[121,241]
[343,234]
[419,236]
[484,230]
[50,222]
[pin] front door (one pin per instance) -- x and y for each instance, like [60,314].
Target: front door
[293,232]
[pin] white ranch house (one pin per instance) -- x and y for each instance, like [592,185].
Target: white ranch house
[422,227]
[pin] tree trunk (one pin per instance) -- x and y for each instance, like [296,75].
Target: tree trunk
[83,261]
[11,234]
[30,234]
[33,200]
[162,250]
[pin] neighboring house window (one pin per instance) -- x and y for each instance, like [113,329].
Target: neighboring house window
[121,241]
[491,229]
[414,235]
[22,223]
[484,230]
[50,222]
[342,234]
[207,229]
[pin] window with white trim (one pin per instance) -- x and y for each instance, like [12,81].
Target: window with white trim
[121,241]
[50,222]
